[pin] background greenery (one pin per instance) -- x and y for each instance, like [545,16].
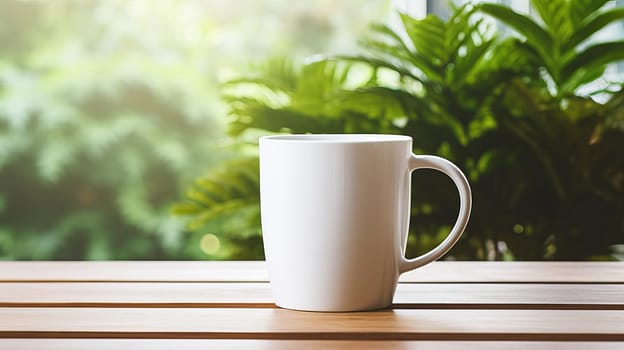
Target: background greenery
[108,109]
[529,116]
[112,111]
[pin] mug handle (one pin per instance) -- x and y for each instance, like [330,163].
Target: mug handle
[465,205]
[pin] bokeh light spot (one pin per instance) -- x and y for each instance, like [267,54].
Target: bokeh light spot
[209,244]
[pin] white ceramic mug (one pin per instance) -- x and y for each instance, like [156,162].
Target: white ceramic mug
[335,214]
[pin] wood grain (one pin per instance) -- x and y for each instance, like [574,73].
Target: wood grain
[556,325]
[134,271]
[234,344]
[423,295]
[444,305]
[255,271]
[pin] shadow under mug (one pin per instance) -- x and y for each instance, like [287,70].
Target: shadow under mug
[335,215]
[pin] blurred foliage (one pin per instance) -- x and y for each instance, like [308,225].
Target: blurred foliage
[108,108]
[518,113]
[230,203]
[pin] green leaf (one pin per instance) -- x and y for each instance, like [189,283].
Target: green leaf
[277,120]
[536,36]
[379,101]
[523,24]
[227,192]
[276,74]
[461,32]
[205,196]
[592,25]
[464,66]
[596,55]
[580,77]
[554,14]
[393,49]
[580,10]
[387,32]
[381,63]
[427,36]
[218,212]
[185,209]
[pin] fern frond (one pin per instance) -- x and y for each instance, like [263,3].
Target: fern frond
[226,192]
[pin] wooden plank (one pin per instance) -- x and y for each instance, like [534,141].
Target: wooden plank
[234,344]
[510,296]
[255,271]
[541,325]
[517,272]
[112,271]
[128,294]
[423,295]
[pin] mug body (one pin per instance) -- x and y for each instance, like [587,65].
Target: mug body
[335,213]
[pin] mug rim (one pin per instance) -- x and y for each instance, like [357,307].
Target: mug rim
[337,138]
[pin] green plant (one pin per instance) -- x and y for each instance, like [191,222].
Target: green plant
[566,203]
[539,153]
[226,201]
[559,44]
[95,139]
[107,107]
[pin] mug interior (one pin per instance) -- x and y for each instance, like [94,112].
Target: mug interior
[338,138]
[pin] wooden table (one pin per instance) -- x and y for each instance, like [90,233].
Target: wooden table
[216,305]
